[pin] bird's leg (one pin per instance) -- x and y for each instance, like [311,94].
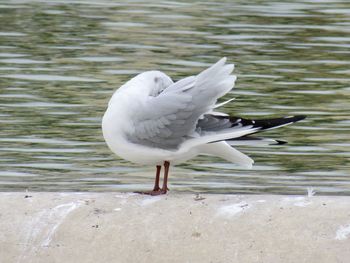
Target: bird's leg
[156,189]
[165,180]
[156,182]
[164,189]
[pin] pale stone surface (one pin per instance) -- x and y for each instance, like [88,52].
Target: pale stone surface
[121,227]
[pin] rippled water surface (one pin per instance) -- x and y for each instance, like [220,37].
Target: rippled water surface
[60,61]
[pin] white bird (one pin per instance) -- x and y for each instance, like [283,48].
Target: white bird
[152,120]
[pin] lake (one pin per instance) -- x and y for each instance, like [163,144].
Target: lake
[60,61]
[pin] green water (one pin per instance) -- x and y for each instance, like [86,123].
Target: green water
[60,62]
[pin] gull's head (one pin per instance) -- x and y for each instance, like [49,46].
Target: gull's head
[149,83]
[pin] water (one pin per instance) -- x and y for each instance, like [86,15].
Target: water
[61,60]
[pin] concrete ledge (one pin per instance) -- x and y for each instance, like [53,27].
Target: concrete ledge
[116,227]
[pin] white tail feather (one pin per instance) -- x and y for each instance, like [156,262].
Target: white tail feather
[218,136]
[228,153]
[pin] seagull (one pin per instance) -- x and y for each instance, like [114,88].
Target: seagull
[152,120]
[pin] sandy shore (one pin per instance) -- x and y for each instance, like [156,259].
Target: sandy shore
[121,227]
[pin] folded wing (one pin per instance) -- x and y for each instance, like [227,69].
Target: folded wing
[169,119]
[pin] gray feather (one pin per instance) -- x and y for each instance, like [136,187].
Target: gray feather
[170,118]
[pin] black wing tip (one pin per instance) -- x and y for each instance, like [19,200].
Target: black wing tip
[280,142]
[297,118]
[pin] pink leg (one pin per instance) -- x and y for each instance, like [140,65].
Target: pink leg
[156,182]
[156,190]
[165,180]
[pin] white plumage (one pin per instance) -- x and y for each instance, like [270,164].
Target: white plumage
[150,119]
[153,121]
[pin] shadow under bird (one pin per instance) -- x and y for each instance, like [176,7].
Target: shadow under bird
[152,120]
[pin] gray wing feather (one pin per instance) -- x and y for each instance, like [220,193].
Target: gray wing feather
[212,123]
[170,118]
